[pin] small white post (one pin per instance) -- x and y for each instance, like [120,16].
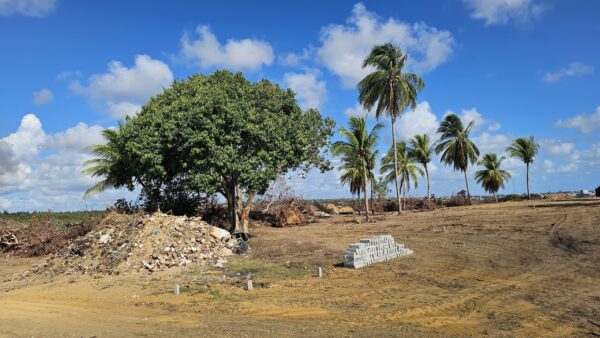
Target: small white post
[176,291]
[319,272]
[249,285]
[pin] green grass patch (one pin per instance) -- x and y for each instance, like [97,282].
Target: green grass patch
[55,218]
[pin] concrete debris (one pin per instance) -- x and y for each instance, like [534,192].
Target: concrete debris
[373,250]
[345,210]
[137,243]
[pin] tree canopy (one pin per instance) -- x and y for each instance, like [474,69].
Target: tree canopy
[219,134]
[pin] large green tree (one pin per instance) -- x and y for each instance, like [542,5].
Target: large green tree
[221,134]
[492,177]
[389,88]
[421,151]
[525,149]
[407,167]
[457,149]
[358,150]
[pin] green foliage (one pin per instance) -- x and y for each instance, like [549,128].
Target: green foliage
[407,166]
[215,134]
[512,197]
[454,144]
[389,88]
[598,191]
[524,148]
[420,149]
[380,188]
[358,152]
[492,178]
[54,218]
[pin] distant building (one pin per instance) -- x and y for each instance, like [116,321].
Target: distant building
[585,193]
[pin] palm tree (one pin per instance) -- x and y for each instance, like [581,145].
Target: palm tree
[525,149]
[111,163]
[358,153]
[421,151]
[456,147]
[492,178]
[389,88]
[407,167]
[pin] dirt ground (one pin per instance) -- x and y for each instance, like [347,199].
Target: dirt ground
[514,269]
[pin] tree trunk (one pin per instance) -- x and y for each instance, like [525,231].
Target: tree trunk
[366,194]
[428,185]
[237,210]
[358,205]
[396,165]
[468,191]
[496,197]
[528,193]
[372,203]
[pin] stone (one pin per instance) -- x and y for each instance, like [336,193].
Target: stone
[345,210]
[219,233]
[104,239]
[331,209]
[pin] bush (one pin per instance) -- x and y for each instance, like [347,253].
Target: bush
[598,191]
[512,197]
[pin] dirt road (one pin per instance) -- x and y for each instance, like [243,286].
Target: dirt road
[514,269]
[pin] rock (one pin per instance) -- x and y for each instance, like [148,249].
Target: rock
[219,233]
[345,210]
[226,252]
[148,265]
[104,239]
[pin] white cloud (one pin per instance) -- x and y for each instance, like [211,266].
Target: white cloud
[120,89]
[35,8]
[586,123]
[357,110]
[490,143]
[294,59]
[76,139]
[558,148]
[344,47]
[573,69]
[504,11]
[28,140]
[473,115]
[42,97]
[310,92]
[418,121]
[208,52]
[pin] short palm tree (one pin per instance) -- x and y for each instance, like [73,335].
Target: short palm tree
[421,151]
[389,88]
[456,147]
[407,167]
[358,151]
[492,178]
[110,164]
[525,149]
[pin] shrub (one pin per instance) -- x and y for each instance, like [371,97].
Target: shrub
[512,197]
[598,191]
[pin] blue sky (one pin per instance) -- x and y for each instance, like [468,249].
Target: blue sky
[516,67]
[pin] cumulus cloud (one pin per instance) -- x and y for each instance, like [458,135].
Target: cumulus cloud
[344,47]
[34,8]
[295,59]
[207,52]
[473,115]
[43,171]
[419,121]
[558,148]
[503,11]
[310,92]
[121,90]
[586,123]
[492,143]
[42,97]
[357,110]
[574,69]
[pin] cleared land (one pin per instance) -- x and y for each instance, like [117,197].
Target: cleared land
[498,270]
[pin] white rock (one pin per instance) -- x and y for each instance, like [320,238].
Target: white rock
[219,233]
[104,239]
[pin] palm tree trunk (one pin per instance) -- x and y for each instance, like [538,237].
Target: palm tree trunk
[372,203]
[528,193]
[396,165]
[428,185]
[359,202]
[365,190]
[496,197]
[468,191]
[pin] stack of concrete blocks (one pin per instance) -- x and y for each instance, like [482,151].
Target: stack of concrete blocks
[373,250]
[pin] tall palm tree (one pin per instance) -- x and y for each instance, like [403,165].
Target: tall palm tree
[111,163]
[525,149]
[456,147]
[407,167]
[492,178]
[421,151]
[358,152]
[389,88]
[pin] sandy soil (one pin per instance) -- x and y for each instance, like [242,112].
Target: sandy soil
[514,269]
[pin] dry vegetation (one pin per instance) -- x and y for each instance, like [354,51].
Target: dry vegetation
[513,269]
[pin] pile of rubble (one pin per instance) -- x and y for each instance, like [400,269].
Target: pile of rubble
[373,250]
[125,243]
